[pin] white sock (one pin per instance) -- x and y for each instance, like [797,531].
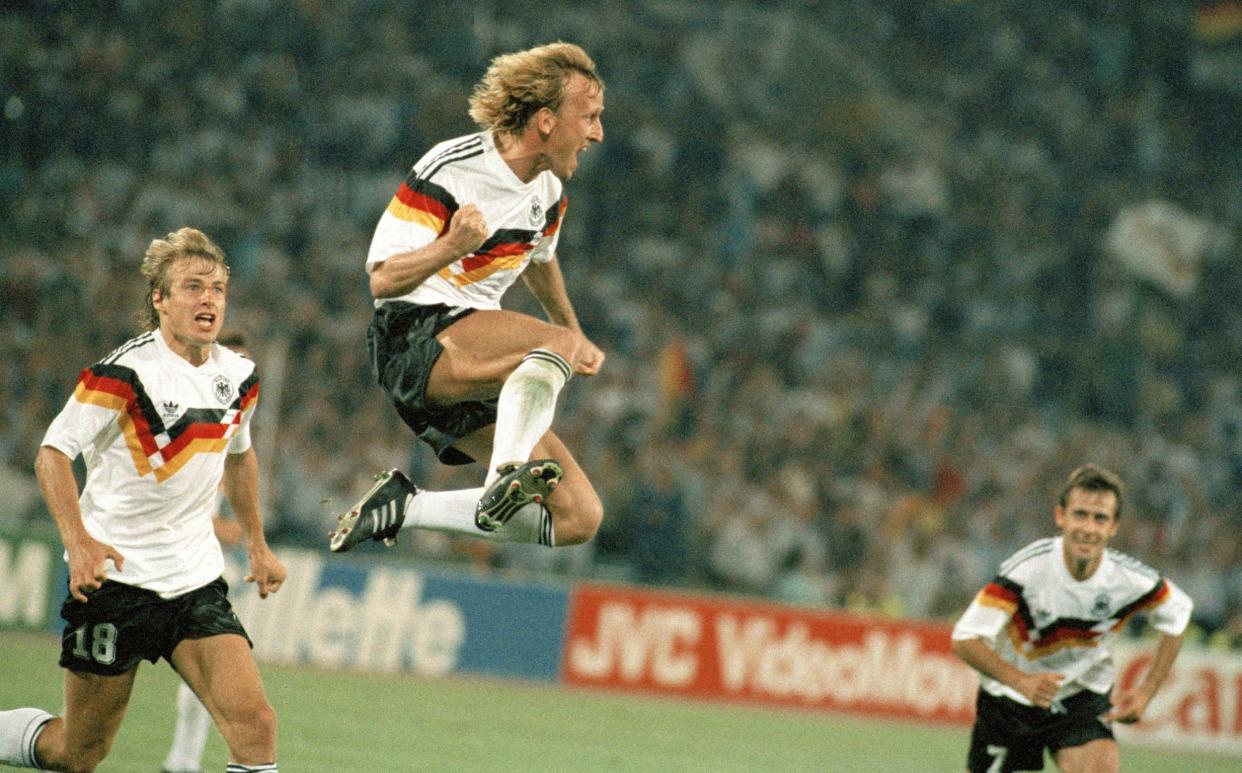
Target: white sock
[237,767]
[525,407]
[19,729]
[190,733]
[454,511]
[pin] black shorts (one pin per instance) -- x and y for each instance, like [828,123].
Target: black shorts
[403,346]
[1016,735]
[122,624]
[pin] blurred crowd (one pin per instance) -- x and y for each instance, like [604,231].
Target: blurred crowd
[872,276]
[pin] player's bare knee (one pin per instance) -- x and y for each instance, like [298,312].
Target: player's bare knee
[565,342]
[580,522]
[250,732]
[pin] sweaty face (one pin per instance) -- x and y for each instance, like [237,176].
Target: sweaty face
[192,312]
[1088,521]
[576,125]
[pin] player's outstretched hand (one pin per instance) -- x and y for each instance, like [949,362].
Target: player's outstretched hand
[266,571]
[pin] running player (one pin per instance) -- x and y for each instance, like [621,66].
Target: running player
[160,422]
[189,741]
[1040,636]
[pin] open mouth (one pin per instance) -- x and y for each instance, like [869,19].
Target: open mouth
[205,320]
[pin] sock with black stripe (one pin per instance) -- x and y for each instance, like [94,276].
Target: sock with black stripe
[525,407]
[19,731]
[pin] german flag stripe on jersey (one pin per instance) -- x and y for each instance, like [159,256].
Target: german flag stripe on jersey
[1153,598]
[1006,595]
[1060,639]
[506,249]
[423,202]
[199,430]
[1064,633]
[1001,594]
[555,217]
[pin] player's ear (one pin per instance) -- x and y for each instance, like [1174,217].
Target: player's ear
[544,120]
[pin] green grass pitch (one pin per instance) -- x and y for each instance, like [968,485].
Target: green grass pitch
[339,722]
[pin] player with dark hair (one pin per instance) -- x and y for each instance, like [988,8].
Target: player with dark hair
[474,381]
[162,422]
[1040,633]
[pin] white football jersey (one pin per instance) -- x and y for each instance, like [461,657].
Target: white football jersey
[1038,617]
[523,219]
[153,430]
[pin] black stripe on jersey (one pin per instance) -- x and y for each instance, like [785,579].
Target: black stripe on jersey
[1130,608]
[193,417]
[432,191]
[133,343]
[450,156]
[1071,625]
[245,387]
[468,143]
[1023,611]
[129,377]
[1037,548]
[554,213]
[506,236]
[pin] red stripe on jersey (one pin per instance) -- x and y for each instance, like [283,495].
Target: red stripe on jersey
[555,225]
[119,396]
[475,262]
[248,399]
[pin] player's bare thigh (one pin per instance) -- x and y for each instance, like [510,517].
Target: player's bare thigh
[481,350]
[576,508]
[1099,756]
[94,708]
[222,673]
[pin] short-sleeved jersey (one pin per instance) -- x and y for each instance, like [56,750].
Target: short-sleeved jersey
[153,430]
[524,221]
[1038,617]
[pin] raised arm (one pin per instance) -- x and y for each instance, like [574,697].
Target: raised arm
[405,271]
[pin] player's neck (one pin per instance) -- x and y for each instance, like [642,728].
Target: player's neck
[1081,568]
[193,353]
[524,160]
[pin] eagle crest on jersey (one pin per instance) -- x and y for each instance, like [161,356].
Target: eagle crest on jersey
[223,389]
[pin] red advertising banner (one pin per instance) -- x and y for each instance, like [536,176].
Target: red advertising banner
[1199,707]
[725,649]
[709,647]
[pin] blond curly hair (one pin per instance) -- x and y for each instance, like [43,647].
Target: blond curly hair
[517,85]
